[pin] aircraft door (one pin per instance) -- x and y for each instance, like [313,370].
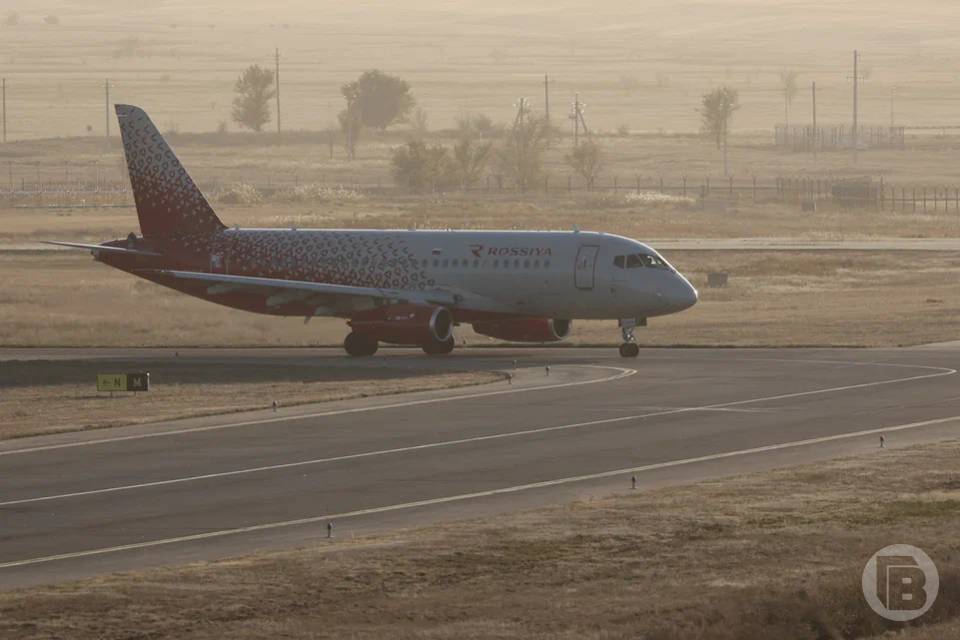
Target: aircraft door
[586,267]
[221,251]
[218,262]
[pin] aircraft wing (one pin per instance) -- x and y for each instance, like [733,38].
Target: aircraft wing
[279,291]
[104,248]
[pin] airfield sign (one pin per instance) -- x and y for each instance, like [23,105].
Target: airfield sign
[123,382]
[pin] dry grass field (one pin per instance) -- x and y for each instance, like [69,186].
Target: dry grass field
[53,396]
[623,213]
[639,68]
[219,161]
[776,554]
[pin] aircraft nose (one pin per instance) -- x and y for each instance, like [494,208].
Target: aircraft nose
[682,295]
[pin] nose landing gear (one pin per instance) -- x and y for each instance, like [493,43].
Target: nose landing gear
[629,348]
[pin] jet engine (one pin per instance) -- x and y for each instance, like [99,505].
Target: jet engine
[405,324]
[525,329]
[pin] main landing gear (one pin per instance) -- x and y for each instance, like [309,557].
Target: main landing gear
[439,348]
[629,348]
[359,345]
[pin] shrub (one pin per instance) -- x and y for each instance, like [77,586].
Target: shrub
[319,193]
[239,193]
[422,168]
[655,197]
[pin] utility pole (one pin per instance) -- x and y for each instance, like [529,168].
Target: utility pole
[3,83]
[856,105]
[106,111]
[521,112]
[816,132]
[578,119]
[276,76]
[893,93]
[726,146]
[350,127]
[546,98]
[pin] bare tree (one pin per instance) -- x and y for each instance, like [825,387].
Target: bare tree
[716,111]
[470,158]
[255,89]
[587,160]
[331,132]
[788,84]
[419,123]
[479,125]
[350,119]
[521,156]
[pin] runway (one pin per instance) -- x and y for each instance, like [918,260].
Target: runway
[80,504]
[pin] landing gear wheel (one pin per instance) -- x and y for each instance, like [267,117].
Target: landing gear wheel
[358,345]
[629,350]
[439,348]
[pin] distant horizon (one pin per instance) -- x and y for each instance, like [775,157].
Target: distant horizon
[642,68]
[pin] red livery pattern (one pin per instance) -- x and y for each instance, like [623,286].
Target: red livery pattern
[169,204]
[334,257]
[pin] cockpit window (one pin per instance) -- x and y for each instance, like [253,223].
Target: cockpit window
[658,263]
[637,260]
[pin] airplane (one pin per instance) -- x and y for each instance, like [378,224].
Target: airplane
[400,287]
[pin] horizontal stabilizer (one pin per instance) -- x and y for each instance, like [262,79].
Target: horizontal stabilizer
[105,248]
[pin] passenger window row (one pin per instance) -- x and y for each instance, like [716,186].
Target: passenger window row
[466,263]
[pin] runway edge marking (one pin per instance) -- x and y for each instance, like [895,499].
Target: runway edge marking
[723,406]
[622,373]
[472,496]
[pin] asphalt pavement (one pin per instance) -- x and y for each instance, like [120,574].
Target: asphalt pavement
[80,504]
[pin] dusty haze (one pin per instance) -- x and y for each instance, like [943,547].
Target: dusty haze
[643,65]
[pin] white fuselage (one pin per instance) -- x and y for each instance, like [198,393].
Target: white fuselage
[537,273]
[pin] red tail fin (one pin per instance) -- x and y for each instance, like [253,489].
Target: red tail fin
[168,201]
